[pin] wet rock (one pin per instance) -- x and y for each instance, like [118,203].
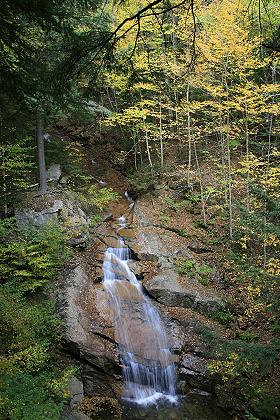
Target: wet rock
[54,172]
[88,329]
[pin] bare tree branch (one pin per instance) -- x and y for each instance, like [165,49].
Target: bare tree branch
[114,35]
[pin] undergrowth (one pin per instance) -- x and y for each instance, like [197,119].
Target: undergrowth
[33,378]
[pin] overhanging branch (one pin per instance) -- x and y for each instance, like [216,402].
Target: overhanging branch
[113,38]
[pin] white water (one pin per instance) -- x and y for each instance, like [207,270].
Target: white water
[147,363]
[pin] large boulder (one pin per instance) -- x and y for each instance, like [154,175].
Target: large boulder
[37,218]
[189,293]
[48,208]
[163,247]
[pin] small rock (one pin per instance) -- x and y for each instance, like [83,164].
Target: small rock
[54,172]
[107,217]
[76,390]
[78,415]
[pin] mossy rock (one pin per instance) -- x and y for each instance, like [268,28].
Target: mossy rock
[100,408]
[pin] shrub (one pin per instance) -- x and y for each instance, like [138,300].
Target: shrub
[200,272]
[93,199]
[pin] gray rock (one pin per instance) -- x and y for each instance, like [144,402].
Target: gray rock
[78,415]
[38,218]
[47,137]
[57,205]
[167,289]
[107,217]
[193,370]
[195,364]
[156,244]
[54,172]
[63,180]
[82,215]
[76,390]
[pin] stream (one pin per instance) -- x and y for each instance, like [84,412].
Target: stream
[148,363]
[149,370]
[128,320]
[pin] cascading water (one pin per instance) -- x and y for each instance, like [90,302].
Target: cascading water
[147,363]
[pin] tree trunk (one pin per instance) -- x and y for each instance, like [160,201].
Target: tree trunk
[229,176]
[189,135]
[266,190]
[160,136]
[41,152]
[148,148]
[203,201]
[5,186]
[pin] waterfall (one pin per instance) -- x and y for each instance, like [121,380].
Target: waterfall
[147,363]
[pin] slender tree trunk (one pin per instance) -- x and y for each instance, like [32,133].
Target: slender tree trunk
[223,163]
[175,93]
[266,189]
[5,192]
[248,173]
[140,148]
[160,136]
[247,160]
[228,158]
[5,186]
[201,186]
[135,151]
[41,152]
[229,181]
[148,148]
[189,136]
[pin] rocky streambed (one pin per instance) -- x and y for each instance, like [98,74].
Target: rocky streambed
[183,302]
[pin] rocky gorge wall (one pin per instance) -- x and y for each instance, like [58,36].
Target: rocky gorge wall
[182,301]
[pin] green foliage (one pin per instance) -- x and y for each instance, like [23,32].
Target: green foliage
[193,198]
[199,224]
[246,365]
[16,164]
[94,199]
[247,336]
[184,266]
[183,233]
[144,180]
[204,271]
[173,204]
[189,267]
[32,380]
[33,259]
[164,218]
[27,397]
[224,317]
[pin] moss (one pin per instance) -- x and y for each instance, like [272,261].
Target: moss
[99,407]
